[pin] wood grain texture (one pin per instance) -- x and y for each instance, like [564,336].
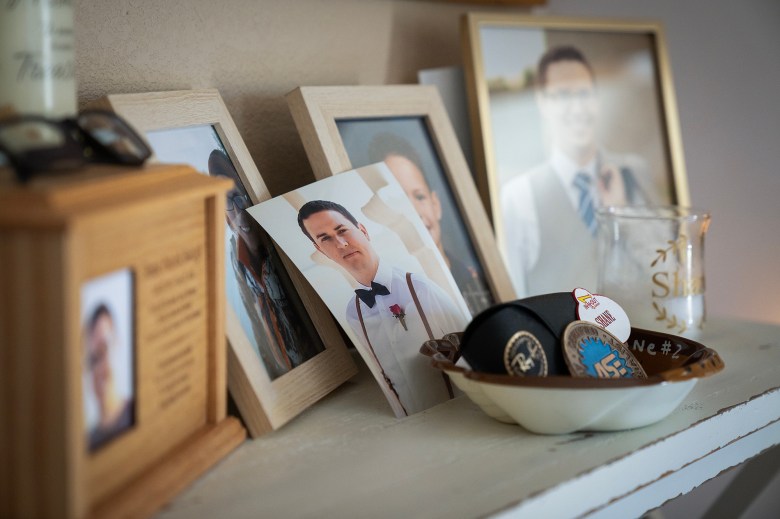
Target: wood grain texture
[350,454]
[216,362]
[173,473]
[38,473]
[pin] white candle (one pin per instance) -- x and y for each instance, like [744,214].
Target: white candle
[36,57]
[688,314]
[678,316]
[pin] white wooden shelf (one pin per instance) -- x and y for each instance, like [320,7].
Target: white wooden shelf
[348,457]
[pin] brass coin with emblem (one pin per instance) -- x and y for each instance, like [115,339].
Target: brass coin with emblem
[524,355]
[591,351]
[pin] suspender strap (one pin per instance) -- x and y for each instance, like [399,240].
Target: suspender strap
[427,328]
[363,326]
[419,306]
[371,349]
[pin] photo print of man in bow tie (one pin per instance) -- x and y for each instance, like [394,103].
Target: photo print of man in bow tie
[391,307]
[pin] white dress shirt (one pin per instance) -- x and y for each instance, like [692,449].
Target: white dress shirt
[416,383]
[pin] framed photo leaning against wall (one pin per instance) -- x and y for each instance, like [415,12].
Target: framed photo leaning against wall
[568,115]
[407,128]
[285,351]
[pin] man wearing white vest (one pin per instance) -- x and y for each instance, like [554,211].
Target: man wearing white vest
[393,313]
[549,223]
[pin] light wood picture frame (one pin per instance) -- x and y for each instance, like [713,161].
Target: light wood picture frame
[343,128]
[623,112]
[285,350]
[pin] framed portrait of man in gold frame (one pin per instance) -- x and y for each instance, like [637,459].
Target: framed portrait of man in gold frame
[285,351]
[568,115]
[406,126]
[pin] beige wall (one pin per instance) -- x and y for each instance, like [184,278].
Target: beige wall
[256,51]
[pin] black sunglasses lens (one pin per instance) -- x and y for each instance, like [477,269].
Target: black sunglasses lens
[241,201]
[115,136]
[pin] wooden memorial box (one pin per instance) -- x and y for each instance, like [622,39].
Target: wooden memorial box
[112,343]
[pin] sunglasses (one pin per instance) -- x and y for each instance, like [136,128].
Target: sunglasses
[237,201]
[32,144]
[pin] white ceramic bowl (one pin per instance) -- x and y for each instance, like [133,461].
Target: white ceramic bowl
[560,405]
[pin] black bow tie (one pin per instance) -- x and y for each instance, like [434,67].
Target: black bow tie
[369,296]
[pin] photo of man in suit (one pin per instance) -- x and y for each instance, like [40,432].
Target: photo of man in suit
[115,410]
[549,213]
[393,312]
[109,365]
[456,249]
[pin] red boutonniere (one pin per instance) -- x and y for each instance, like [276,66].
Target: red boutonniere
[399,314]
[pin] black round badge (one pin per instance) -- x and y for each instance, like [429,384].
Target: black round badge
[524,355]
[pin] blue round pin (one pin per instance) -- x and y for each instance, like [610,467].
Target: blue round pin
[591,351]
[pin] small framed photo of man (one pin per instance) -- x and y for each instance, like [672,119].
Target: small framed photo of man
[275,325]
[108,379]
[573,115]
[405,145]
[361,244]
[407,128]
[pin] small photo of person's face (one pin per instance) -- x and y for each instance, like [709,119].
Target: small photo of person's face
[425,202]
[340,240]
[569,105]
[107,356]
[237,200]
[100,342]
[237,217]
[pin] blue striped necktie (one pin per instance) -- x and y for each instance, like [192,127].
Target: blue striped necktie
[586,204]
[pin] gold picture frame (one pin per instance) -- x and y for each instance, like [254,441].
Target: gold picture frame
[268,387]
[514,127]
[345,127]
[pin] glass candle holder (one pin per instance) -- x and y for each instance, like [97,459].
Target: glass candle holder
[651,261]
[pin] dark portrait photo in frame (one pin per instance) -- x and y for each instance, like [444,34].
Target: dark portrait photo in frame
[404,144]
[285,350]
[257,286]
[108,380]
[573,115]
[407,127]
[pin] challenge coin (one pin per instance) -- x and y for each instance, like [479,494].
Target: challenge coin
[591,351]
[524,355]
